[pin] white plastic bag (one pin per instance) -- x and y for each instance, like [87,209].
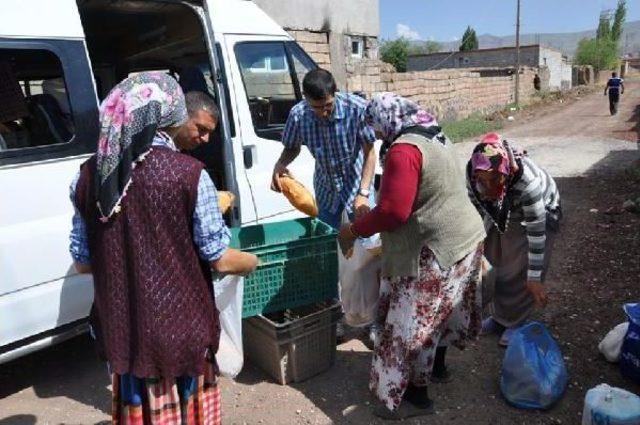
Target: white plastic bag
[612,406]
[229,292]
[611,344]
[359,285]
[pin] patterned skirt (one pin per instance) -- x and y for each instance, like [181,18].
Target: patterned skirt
[161,401]
[416,315]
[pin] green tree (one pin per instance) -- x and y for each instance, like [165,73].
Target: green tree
[469,40]
[600,53]
[425,47]
[604,27]
[618,20]
[396,52]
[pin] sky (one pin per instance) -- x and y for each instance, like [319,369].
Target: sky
[446,20]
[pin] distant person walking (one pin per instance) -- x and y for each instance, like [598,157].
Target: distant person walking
[615,87]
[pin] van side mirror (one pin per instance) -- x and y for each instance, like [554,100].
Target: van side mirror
[249,154]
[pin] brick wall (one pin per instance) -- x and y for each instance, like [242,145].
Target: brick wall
[316,44]
[450,94]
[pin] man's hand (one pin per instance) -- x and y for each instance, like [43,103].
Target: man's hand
[538,292]
[361,206]
[278,171]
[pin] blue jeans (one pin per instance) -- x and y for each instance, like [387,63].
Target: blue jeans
[335,219]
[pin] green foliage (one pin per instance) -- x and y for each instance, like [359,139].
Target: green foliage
[424,47]
[469,40]
[600,53]
[604,27]
[472,126]
[618,20]
[395,52]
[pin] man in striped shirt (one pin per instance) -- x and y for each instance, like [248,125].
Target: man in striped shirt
[615,87]
[332,127]
[520,204]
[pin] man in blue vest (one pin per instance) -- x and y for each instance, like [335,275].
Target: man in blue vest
[615,86]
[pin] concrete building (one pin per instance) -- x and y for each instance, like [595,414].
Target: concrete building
[536,56]
[336,33]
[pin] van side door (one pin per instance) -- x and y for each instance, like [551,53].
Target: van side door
[48,127]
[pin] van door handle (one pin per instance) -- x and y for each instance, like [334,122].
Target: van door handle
[249,155]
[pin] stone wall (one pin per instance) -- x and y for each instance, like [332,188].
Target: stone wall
[450,94]
[316,44]
[583,75]
[269,84]
[499,57]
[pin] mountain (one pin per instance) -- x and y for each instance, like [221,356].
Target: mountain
[565,42]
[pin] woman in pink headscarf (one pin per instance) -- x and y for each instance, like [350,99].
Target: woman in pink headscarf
[520,204]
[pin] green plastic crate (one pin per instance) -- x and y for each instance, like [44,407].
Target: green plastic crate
[298,264]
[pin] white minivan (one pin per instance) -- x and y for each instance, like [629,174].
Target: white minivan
[58,59]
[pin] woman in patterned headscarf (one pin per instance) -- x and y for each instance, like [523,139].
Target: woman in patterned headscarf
[431,257]
[148,228]
[520,204]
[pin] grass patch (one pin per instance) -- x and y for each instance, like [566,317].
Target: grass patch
[474,125]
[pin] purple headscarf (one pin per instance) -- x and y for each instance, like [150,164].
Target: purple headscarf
[390,114]
[130,116]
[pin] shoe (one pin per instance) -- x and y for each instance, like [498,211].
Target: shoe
[442,377]
[490,326]
[404,411]
[506,337]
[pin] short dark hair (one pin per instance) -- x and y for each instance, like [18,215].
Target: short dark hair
[199,101]
[319,84]
[614,74]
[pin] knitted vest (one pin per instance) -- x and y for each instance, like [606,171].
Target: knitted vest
[443,218]
[154,312]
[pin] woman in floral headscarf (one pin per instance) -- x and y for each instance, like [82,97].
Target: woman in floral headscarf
[431,257]
[520,204]
[147,227]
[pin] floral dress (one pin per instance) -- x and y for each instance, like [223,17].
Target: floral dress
[416,315]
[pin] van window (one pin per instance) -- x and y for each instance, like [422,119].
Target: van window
[272,73]
[34,105]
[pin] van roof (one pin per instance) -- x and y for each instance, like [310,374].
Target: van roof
[40,19]
[60,18]
[241,17]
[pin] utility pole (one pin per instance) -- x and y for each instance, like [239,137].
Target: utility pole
[517,96]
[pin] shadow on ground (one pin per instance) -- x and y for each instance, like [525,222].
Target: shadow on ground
[70,370]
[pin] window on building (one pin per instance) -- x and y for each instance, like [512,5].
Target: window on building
[357,47]
[34,106]
[272,73]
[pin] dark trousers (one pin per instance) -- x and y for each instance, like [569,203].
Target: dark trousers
[614,99]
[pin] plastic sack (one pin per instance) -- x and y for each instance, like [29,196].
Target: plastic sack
[534,375]
[611,344]
[299,196]
[630,351]
[229,292]
[612,406]
[359,284]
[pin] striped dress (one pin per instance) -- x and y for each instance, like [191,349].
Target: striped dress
[519,243]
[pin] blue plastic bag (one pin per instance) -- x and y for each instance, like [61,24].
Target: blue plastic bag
[534,375]
[630,352]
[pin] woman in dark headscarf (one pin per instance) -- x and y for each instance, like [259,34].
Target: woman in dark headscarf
[431,257]
[520,204]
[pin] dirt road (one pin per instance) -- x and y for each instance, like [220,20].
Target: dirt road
[595,270]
